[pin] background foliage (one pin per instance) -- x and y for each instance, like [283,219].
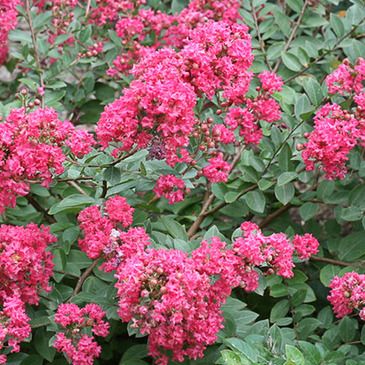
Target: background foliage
[286,321]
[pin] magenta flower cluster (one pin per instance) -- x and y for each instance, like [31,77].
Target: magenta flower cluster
[79,347]
[32,150]
[159,105]
[347,294]
[171,296]
[25,269]
[337,131]
[8,21]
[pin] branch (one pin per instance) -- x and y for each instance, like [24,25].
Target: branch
[223,204]
[265,222]
[87,8]
[209,197]
[325,53]
[34,42]
[261,41]
[77,187]
[331,261]
[82,279]
[281,146]
[293,33]
[50,219]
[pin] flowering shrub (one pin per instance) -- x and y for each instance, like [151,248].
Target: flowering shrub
[182,182]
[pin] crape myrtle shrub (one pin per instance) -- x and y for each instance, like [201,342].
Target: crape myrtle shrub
[182,182]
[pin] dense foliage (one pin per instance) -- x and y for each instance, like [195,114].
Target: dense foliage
[182,182]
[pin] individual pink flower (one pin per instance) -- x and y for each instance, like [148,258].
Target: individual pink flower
[171,188]
[222,134]
[265,108]
[279,254]
[102,234]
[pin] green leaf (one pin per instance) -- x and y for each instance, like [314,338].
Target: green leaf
[293,356]
[357,196]
[362,336]
[307,326]
[112,175]
[352,246]
[308,210]
[178,5]
[41,19]
[231,196]
[302,106]
[296,5]
[213,232]
[347,329]
[18,35]
[41,343]
[243,347]
[32,360]
[351,214]
[40,321]
[136,352]
[286,177]
[232,358]
[285,193]
[255,201]
[174,228]
[279,310]
[355,50]
[337,25]
[291,62]
[72,202]
[313,90]
[327,273]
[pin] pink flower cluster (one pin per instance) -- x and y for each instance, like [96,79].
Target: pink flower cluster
[14,325]
[347,79]
[305,245]
[8,21]
[171,188]
[217,169]
[31,150]
[25,270]
[107,11]
[176,299]
[173,297]
[103,236]
[79,347]
[158,106]
[166,30]
[335,134]
[163,295]
[274,252]
[337,131]
[25,265]
[347,294]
